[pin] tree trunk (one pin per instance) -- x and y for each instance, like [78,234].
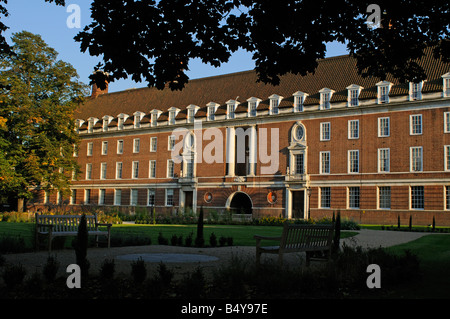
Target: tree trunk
[20,203]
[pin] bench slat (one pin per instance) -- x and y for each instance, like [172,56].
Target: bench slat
[299,238]
[67,225]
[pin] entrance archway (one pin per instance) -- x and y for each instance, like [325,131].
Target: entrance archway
[240,203]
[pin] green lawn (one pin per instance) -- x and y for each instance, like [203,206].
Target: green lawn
[242,234]
[434,255]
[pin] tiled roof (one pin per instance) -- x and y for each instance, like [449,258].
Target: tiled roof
[335,73]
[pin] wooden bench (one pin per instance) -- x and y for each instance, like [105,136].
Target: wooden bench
[53,226]
[298,238]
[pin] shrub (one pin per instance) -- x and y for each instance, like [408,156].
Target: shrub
[138,271]
[81,245]
[174,240]
[188,240]
[107,269]
[213,240]
[13,275]
[162,240]
[199,240]
[193,285]
[50,269]
[222,241]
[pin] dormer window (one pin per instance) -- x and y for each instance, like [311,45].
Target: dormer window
[231,107]
[191,109]
[325,98]
[91,123]
[415,91]
[353,95]
[446,84]
[171,117]
[154,117]
[274,103]
[120,121]
[299,100]
[90,126]
[172,114]
[383,91]
[137,119]
[211,110]
[106,120]
[252,105]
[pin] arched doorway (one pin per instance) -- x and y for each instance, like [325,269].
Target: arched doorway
[240,203]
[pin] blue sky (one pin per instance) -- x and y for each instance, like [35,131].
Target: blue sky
[50,21]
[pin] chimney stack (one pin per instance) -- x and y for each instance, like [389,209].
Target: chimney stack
[103,76]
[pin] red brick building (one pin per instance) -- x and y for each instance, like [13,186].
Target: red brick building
[373,149]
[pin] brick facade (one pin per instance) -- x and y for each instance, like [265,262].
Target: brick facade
[415,182]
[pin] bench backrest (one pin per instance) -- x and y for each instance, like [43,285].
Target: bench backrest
[302,237]
[64,223]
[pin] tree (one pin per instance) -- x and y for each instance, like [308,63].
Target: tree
[38,96]
[153,41]
[199,240]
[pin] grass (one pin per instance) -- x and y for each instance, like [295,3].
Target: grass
[433,252]
[242,234]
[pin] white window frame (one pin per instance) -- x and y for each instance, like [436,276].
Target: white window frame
[383,90]
[356,199]
[325,98]
[446,85]
[90,148]
[415,90]
[447,158]
[120,145]
[274,103]
[152,169]
[353,92]
[352,129]
[446,197]
[104,147]
[169,191]
[170,168]
[87,196]
[384,164]
[379,197]
[170,142]
[135,170]
[89,171]
[413,158]
[119,169]
[151,192]
[446,122]
[117,197]
[134,196]
[136,145]
[299,101]
[382,121]
[411,201]
[328,199]
[153,144]
[73,197]
[351,158]
[324,162]
[322,131]
[231,108]
[101,196]
[413,125]
[253,101]
[103,170]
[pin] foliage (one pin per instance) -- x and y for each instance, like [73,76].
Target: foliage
[284,37]
[138,271]
[50,269]
[199,240]
[81,246]
[38,96]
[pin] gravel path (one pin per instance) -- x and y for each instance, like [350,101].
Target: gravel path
[178,262]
